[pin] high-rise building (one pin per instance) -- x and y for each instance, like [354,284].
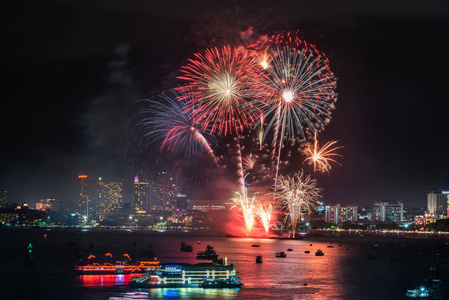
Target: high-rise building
[388,211]
[109,196]
[86,206]
[141,195]
[339,214]
[163,192]
[3,198]
[437,203]
[45,203]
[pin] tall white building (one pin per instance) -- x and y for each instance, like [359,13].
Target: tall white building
[388,211]
[339,214]
[437,203]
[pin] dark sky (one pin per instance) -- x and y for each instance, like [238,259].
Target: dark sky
[73,69]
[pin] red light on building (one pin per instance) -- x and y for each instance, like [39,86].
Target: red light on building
[82,176]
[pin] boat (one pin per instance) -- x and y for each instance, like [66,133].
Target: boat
[233,282]
[307,251]
[118,268]
[208,254]
[186,247]
[319,253]
[255,245]
[259,259]
[427,291]
[289,249]
[280,254]
[173,275]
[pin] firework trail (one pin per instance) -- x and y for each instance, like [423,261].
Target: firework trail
[297,194]
[321,157]
[264,214]
[295,91]
[261,133]
[246,206]
[249,161]
[218,80]
[175,129]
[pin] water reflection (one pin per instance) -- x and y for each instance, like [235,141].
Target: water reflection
[193,293]
[104,280]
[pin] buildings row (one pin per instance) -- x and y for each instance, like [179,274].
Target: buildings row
[382,211]
[100,198]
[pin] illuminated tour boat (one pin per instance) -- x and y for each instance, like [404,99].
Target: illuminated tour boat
[119,267]
[206,275]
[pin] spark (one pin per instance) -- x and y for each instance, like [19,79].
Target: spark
[175,129]
[264,214]
[298,194]
[246,206]
[321,157]
[249,161]
[295,92]
[218,82]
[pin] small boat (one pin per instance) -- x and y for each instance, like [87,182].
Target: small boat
[258,259]
[319,253]
[233,282]
[209,253]
[280,254]
[255,245]
[311,244]
[330,246]
[307,251]
[186,247]
[289,249]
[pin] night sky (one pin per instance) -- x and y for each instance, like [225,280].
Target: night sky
[72,71]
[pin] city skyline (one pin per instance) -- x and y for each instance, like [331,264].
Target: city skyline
[67,104]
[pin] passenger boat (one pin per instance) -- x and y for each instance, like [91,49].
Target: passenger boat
[233,282]
[186,247]
[319,253]
[184,275]
[118,268]
[209,254]
[281,254]
[432,291]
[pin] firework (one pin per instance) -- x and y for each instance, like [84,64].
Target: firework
[246,206]
[298,194]
[294,92]
[249,161]
[264,214]
[218,82]
[321,157]
[175,129]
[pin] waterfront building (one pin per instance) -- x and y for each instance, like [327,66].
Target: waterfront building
[163,192]
[339,214]
[3,198]
[109,197]
[181,202]
[45,203]
[437,203]
[425,219]
[86,205]
[141,195]
[388,211]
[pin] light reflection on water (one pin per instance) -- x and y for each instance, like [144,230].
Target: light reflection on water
[297,275]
